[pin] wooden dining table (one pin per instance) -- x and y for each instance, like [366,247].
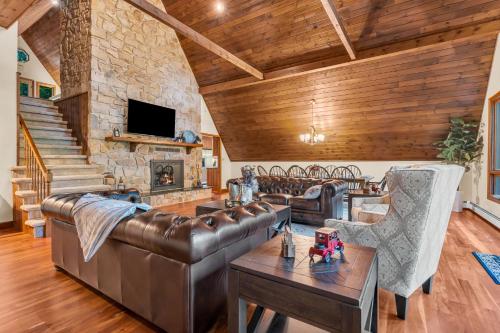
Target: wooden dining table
[359,180]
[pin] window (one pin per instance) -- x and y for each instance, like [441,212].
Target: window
[26,87]
[45,90]
[494,149]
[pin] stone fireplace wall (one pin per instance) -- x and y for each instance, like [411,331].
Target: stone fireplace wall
[75,46]
[131,55]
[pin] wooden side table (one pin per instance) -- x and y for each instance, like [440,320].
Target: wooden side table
[341,296]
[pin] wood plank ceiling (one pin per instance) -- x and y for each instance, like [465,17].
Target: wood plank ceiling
[43,38]
[392,107]
[388,108]
[11,10]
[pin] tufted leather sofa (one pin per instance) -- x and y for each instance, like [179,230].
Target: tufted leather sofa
[290,191]
[169,269]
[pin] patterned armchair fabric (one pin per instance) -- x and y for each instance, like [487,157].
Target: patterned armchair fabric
[409,238]
[364,206]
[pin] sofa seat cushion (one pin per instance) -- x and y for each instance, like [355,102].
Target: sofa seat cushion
[277,198]
[305,204]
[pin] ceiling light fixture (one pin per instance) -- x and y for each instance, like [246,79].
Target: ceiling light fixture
[312,137]
[219,7]
[55,2]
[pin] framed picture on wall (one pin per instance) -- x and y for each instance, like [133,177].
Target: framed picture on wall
[45,90]
[26,87]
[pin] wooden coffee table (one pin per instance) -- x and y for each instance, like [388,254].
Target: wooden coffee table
[341,296]
[284,213]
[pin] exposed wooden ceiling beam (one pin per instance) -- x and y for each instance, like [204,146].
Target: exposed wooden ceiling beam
[336,20]
[11,10]
[196,37]
[304,70]
[33,14]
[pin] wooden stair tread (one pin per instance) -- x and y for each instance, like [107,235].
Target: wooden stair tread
[18,180]
[28,208]
[78,177]
[33,101]
[29,119]
[45,136]
[48,146]
[72,166]
[25,193]
[45,128]
[35,223]
[76,189]
[42,112]
[65,156]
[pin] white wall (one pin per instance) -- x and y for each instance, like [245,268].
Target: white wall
[34,69]
[208,126]
[478,178]
[377,169]
[8,113]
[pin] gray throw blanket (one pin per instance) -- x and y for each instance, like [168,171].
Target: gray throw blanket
[96,217]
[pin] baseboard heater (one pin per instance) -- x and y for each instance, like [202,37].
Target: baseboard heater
[488,216]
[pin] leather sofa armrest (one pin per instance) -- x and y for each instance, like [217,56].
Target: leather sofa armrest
[232,181]
[59,206]
[333,187]
[331,198]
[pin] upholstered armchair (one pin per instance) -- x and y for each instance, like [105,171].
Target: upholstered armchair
[409,238]
[368,209]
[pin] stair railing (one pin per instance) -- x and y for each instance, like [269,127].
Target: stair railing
[35,167]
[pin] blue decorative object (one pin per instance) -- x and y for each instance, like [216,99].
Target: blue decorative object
[22,56]
[491,263]
[189,136]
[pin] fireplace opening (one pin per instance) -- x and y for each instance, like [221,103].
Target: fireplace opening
[167,175]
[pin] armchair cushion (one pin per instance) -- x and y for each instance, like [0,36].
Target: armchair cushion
[370,217]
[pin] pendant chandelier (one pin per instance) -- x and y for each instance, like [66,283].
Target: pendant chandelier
[312,137]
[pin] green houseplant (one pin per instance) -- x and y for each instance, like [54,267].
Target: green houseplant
[463,145]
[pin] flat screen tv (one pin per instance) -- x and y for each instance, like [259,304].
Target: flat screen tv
[145,118]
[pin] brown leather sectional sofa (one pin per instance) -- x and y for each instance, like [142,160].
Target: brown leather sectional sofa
[289,191]
[169,269]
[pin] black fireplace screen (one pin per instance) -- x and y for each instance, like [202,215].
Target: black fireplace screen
[167,175]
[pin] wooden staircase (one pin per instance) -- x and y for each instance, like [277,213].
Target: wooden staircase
[50,161]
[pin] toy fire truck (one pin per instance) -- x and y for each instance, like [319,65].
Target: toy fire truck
[326,243]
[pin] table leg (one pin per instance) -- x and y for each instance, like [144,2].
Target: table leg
[287,221]
[256,318]
[349,207]
[374,324]
[280,226]
[237,307]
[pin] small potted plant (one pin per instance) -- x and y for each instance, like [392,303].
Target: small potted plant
[462,146]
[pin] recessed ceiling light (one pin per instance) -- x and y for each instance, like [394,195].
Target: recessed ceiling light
[219,7]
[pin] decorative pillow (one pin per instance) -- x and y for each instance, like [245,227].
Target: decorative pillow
[313,192]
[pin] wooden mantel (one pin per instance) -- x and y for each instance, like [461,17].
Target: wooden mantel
[135,140]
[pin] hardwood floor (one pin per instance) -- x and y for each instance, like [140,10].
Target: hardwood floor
[34,297]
